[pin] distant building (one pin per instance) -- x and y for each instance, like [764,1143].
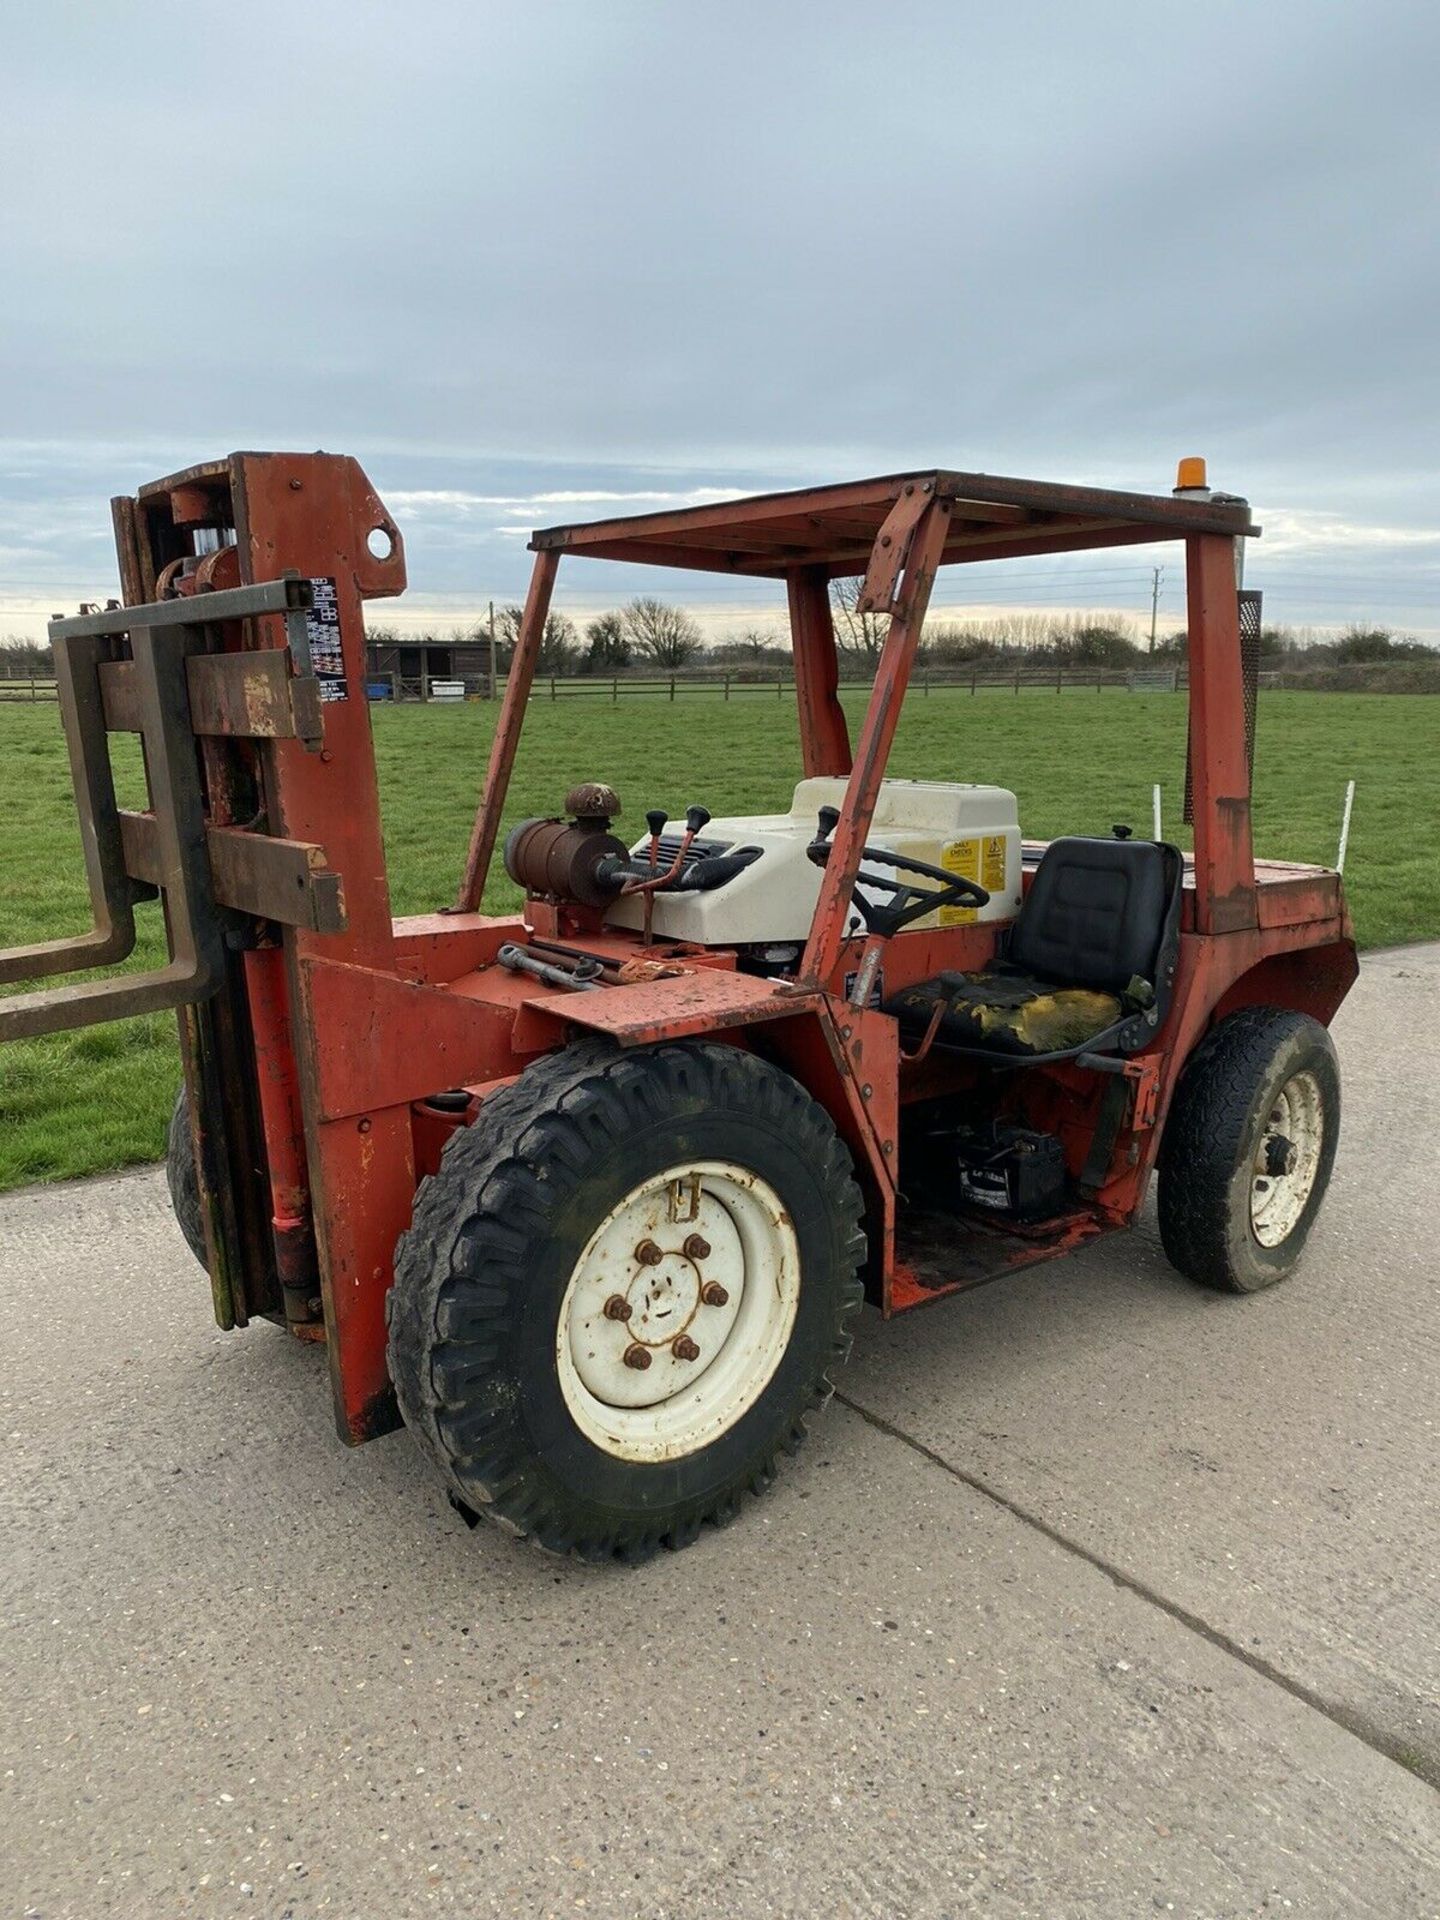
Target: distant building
[410,667]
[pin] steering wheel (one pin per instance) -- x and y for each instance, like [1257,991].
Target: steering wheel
[908,902]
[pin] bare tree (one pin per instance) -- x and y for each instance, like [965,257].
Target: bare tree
[609,643]
[857,633]
[760,646]
[559,644]
[25,656]
[666,635]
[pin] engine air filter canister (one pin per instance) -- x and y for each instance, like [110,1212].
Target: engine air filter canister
[563,858]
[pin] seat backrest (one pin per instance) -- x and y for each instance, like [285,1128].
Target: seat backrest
[1097,913]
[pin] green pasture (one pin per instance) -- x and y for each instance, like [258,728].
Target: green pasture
[98,1099]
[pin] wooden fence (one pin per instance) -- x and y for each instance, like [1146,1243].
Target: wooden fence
[780,686]
[730,686]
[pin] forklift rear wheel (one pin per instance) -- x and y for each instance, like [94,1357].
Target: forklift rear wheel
[1246,1154]
[622,1294]
[181,1178]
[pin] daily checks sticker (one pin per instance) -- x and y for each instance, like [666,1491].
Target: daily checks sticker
[322,630]
[980,858]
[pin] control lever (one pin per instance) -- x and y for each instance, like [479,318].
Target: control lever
[695,819]
[655,819]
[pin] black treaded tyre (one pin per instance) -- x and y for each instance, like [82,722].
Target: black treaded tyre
[1248,1147]
[644,1177]
[181,1179]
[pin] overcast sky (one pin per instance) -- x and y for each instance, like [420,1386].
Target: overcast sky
[526,261]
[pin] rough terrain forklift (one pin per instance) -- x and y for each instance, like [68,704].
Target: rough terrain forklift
[590,1194]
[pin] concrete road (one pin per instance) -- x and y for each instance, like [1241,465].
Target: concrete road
[1095,1596]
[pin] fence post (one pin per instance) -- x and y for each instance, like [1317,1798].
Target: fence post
[1059,679]
[552,686]
[974,678]
[672,686]
[615,690]
[727,686]
[1017,680]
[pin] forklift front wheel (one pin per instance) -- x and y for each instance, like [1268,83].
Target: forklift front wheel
[623,1292]
[1247,1150]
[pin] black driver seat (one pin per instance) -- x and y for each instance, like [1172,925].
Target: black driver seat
[1088,964]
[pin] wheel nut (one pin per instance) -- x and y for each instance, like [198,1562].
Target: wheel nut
[648,1254]
[617,1307]
[638,1357]
[683,1348]
[696,1247]
[713,1294]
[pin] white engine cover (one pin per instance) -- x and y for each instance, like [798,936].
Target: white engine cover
[969,830]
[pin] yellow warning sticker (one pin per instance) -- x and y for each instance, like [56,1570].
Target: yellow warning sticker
[980,858]
[963,859]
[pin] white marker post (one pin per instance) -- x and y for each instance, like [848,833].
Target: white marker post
[1345,827]
[1155,794]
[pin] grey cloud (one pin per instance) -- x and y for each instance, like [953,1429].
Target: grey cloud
[504,251]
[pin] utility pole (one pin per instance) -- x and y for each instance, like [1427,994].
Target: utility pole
[1155,576]
[492,649]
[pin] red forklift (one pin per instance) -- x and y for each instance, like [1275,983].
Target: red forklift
[589,1194]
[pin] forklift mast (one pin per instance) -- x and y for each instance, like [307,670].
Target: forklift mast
[243,584]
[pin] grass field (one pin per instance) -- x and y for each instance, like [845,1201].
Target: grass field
[99,1099]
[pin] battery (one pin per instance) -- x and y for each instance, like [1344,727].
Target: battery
[1010,1170]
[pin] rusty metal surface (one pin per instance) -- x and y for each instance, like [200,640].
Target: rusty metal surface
[277,1094]
[824,731]
[286,881]
[938,1254]
[312,514]
[872,752]
[336,1039]
[253,695]
[241,695]
[196,950]
[1224,863]
[119,696]
[1249,606]
[290,594]
[563,858]
[162,638]
[836,527]
[891,552]
[518,683]
[657,1010]
[392,1040]
[112,894]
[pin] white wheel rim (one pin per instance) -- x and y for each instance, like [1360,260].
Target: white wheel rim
[714,1225]
[1287,1160]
